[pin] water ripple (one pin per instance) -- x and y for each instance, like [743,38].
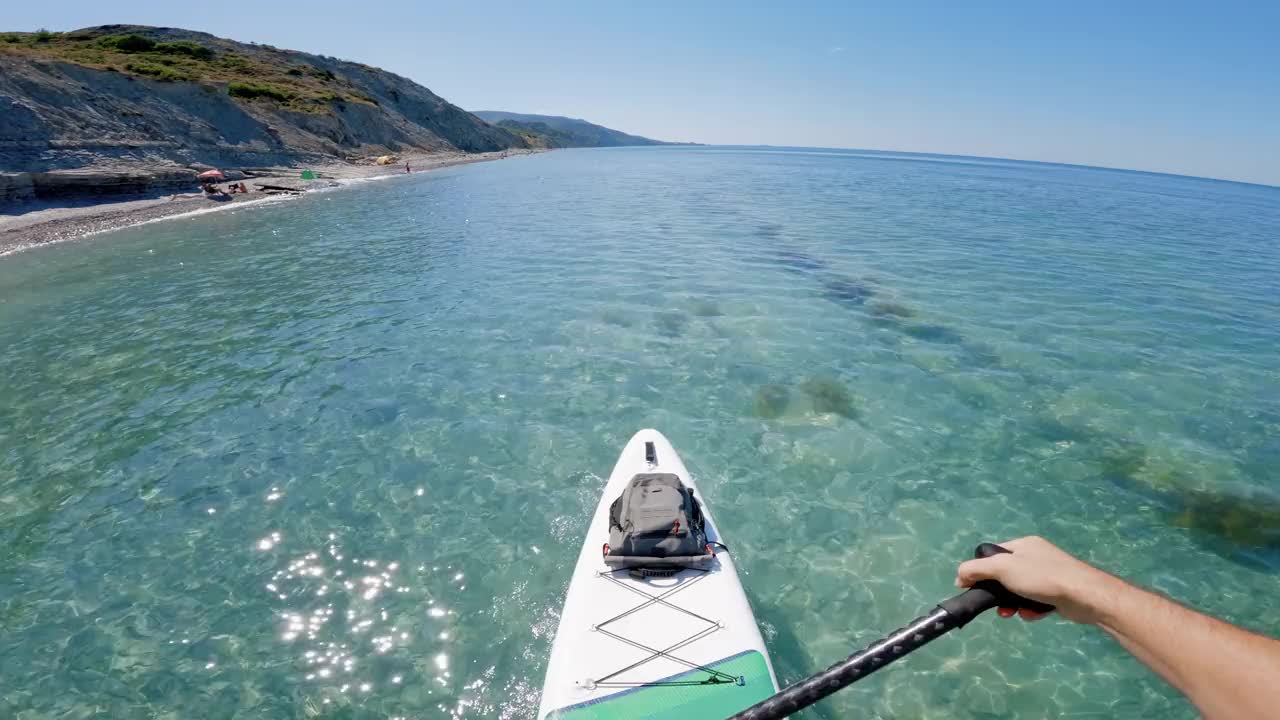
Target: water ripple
[335,458]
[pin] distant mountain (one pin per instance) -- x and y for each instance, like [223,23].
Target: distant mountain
[556,131]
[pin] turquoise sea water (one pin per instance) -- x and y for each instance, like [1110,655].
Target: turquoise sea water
[334,457]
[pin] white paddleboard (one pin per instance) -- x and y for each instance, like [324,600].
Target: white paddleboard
[685,646]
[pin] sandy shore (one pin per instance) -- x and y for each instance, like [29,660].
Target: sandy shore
[34,224]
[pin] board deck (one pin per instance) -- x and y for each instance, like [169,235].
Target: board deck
[685,646]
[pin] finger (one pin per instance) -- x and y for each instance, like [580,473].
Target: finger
[1031,615]
[1006,612]
[971,571]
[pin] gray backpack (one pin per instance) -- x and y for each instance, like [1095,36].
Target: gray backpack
[657,522]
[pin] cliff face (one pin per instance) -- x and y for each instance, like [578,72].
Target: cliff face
[134,96]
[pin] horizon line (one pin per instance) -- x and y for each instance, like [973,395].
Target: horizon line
[1109,168]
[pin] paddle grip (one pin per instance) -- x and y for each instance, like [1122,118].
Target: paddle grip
[987,594]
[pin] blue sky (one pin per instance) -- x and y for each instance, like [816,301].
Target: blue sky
[1191,89]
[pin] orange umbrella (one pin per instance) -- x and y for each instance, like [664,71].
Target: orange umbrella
[211,175]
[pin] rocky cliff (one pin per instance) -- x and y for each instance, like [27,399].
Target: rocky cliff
[134,100]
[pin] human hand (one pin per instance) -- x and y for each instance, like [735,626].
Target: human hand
[1038,570]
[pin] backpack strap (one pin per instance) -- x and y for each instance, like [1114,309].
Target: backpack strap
[615,513]
[695,512]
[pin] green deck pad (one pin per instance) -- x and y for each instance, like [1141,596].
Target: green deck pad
[683,701]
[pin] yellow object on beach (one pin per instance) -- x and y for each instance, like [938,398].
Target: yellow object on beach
[386,160]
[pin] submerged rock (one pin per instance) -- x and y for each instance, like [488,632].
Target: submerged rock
[845,291]
[1232,521]
[889,309]
[793,260]
[702,307]
[670,323]
[1250,521]
[830,396]
[771,401]
[980,354]
[616,317]
[1121,461]
[932,333]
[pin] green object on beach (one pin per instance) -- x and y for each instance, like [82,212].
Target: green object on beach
[308,174]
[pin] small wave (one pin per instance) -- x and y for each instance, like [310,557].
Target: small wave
[242,205]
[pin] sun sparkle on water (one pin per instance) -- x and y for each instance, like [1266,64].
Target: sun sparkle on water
[254,458]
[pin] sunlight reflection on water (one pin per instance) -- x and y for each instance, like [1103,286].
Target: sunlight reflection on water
[334,458]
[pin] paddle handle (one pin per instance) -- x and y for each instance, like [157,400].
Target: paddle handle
[987,594]
[950,614]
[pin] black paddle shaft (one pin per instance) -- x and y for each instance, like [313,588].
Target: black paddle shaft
[950,614]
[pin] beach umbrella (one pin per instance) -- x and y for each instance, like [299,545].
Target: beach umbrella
[210,175]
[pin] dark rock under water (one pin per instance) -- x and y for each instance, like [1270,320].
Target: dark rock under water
[795,260]
[980,354]
[932,332]
[617,317]
[890,309]
[771,401]
[929,332]
[1237,524]
[1248,520]
[670,323]
[1121,461]
[845,291]
[830,396]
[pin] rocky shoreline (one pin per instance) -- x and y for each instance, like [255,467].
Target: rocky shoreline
[35,186]
[139,197]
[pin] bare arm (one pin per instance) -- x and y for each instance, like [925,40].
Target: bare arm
[1225,671]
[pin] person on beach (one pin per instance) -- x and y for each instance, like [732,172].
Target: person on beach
[406,167]
[1225,671]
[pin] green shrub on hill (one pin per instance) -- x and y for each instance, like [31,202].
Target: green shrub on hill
[127,43]
[159,72]
[133,43]
[250,91]
[185,47]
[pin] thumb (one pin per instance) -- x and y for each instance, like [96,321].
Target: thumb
[972,571]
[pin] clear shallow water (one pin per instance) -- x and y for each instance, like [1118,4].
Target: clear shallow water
[333,458]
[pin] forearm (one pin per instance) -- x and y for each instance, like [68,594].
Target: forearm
[1225,671]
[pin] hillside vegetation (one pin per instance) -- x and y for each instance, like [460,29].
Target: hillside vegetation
[249,71]
[136,94]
